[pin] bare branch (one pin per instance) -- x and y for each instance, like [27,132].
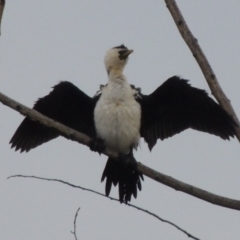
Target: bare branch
[202,61]
[114,199]
[157,176]
[2,4]
[74,224]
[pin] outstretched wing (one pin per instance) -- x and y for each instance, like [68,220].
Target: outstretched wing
[176,106]
[66,104]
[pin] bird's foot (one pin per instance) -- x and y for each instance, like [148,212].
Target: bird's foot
[97,145]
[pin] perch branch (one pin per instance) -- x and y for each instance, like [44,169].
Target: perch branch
[157,176]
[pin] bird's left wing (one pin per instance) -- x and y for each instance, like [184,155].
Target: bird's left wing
[176,106]
[66,104]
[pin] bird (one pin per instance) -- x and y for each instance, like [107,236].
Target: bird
[119,115]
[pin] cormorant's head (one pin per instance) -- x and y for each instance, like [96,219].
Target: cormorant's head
[116,59]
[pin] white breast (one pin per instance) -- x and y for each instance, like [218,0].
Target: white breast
[117,117]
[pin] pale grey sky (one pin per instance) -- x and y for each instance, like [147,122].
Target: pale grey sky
[43,42]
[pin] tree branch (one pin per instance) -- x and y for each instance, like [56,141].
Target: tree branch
[202,61]
[2,4]
[74,225]
[111,198]
[157,176]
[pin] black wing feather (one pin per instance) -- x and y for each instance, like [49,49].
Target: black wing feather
[176,106]
[66,104]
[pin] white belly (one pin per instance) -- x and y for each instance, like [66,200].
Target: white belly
[118,124]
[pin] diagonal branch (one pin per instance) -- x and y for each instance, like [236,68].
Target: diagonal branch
[202,61]
[111,198]
[2,4]
[157,176]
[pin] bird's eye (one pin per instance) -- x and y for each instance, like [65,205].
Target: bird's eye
[123,55]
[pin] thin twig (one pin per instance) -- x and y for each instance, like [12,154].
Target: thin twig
[75,225]
[157,176]
[202,61]
[111,198]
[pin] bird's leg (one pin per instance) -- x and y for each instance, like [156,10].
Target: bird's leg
[97,145]
[128,159]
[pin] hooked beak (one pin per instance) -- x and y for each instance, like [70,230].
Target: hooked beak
[124,54]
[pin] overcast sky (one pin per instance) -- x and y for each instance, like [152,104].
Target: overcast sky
[43,42]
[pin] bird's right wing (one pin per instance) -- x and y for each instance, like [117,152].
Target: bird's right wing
[66,104]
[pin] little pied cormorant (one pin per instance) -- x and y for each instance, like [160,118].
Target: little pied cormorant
[119,114]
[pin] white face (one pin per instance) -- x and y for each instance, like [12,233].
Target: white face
[116,58]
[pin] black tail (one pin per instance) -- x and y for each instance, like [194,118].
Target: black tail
[125,175]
